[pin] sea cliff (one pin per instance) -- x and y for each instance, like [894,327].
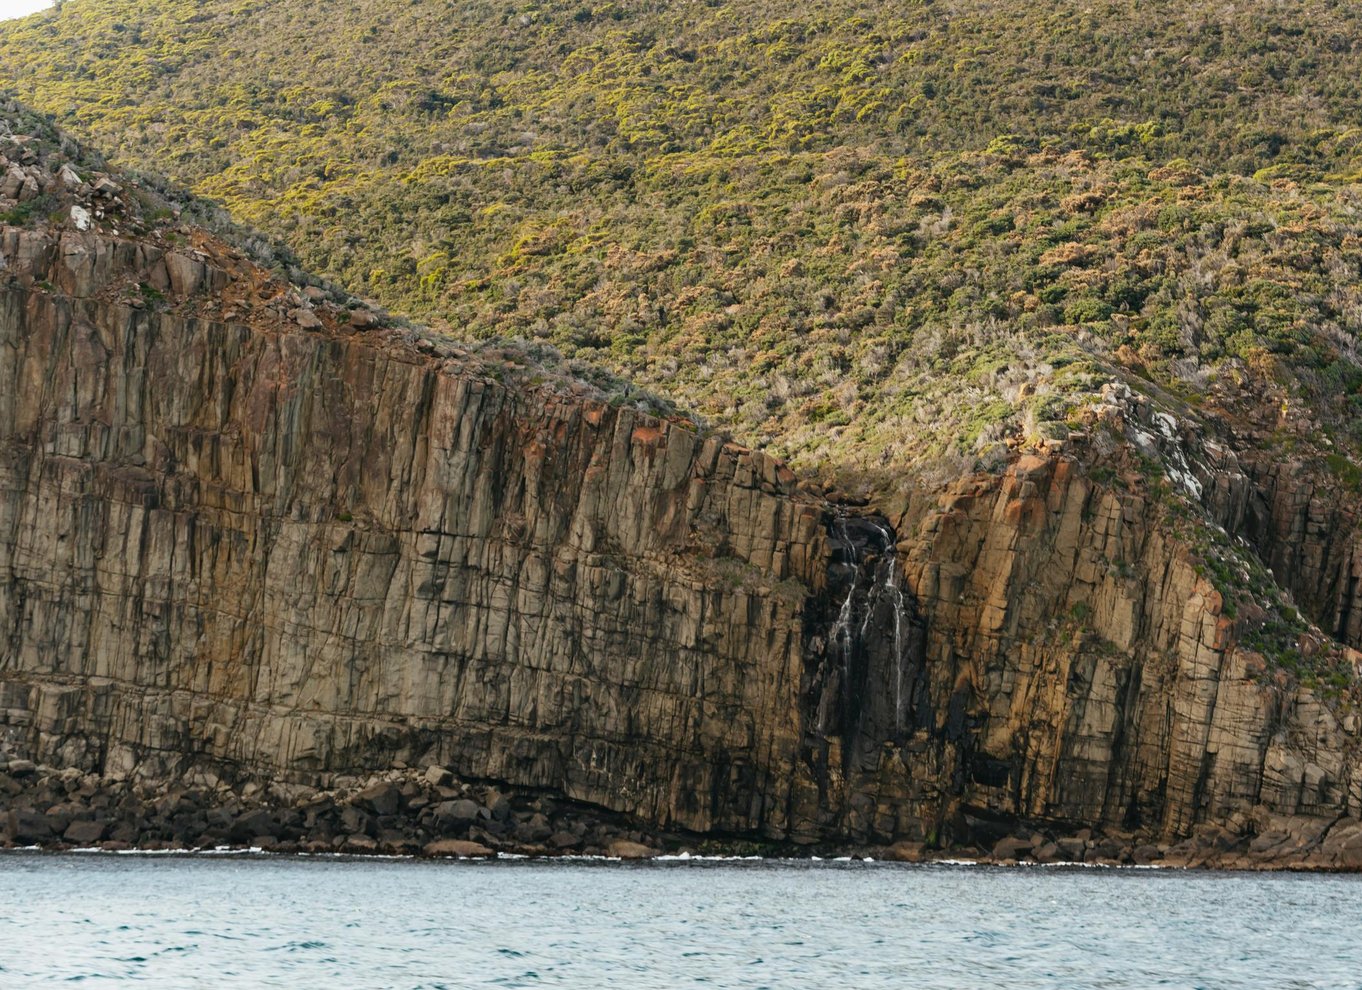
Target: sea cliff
[259,545]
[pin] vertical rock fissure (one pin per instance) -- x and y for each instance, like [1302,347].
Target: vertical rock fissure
[861,679]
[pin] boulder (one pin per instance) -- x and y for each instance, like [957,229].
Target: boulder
[400,845]
[382,798]
[1071,849]
[11,183]
[564,840]
[359,844]
[31,827]
[126,832]
[437,776]
[535,830]
[905,852]
[252,824]
[1105,850]
[624,849]
[1011,848]
[355,821]
[1046,852]
[186,274]
[459,848]
[305,318]
[498,806]
[462,812]
[85,833]
[1144,855]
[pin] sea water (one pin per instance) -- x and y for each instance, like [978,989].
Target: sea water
[260,921]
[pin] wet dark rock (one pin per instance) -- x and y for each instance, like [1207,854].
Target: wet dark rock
[533,832]
[1072,848]
[564,840]
[1146,855]
[127,832]
[58,818]
[30,827]
[353,821]
[253,824]
[85,833]
[381,798]
[81,810]
[451,814]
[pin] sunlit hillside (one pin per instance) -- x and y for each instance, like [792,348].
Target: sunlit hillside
[861,235]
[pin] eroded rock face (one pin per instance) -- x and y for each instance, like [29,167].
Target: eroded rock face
[304,553]
[1100,668]
[241,543]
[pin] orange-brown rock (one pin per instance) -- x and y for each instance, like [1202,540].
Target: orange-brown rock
[243,535]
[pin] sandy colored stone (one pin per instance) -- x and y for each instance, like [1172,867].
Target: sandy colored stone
[624,849]
[459,848]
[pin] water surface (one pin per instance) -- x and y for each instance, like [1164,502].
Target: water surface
[162,921]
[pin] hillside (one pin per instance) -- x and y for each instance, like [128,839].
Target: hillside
[280,573]
[1065,363]
[872,242]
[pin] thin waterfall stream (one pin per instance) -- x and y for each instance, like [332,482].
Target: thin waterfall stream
[868,644]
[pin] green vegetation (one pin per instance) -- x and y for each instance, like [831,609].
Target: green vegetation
[880,239]
[22,214]
[864,237]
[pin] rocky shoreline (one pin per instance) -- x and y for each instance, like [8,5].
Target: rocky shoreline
[403,812]
[432,813]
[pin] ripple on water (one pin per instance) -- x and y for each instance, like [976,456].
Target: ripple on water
[231,922]
[298,946]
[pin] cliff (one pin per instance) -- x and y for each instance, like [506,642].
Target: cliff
[253,537]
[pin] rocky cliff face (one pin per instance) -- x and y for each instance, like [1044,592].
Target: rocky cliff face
[298,552]
[249,535]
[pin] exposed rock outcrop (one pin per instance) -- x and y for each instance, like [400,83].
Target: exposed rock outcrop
[250,539]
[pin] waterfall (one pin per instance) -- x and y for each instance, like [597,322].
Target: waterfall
[840,637]
[887,585]
[891,587]
[861,682]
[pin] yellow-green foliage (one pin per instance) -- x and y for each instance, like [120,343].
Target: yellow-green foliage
[876,234]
